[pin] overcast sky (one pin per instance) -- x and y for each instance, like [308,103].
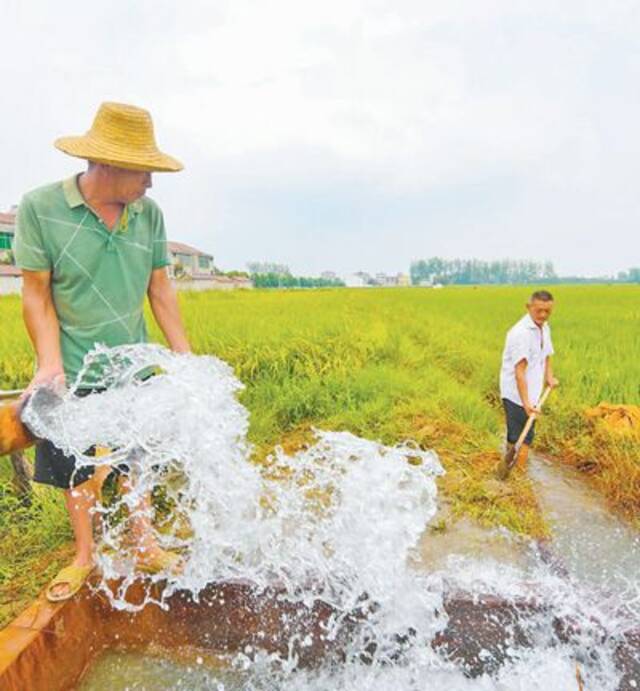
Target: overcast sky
[351,135]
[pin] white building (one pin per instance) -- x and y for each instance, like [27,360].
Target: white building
[189,262]
[7,231]
[359,279]
[10,275]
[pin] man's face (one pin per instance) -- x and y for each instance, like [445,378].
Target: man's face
[540,310]
[129,185]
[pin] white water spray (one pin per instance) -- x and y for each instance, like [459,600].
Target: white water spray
[335,522]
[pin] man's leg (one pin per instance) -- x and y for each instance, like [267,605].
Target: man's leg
[148,551]
[79,501]
[54,468]
[512,432]
[97,481]
[140,521]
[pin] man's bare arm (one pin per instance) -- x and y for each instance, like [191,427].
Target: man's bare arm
[548,374]
[42,325]
[523,388]
[164,305]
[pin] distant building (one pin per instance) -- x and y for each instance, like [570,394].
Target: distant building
[392,281]
[192,269]
[381,279]
[7,232]
[10,275]
[216,282]
[385,280]
[189,262]
[359,279]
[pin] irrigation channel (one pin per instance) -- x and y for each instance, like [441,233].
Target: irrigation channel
[324,558]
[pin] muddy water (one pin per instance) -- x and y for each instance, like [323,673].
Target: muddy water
[588,541]
[595,547]
[119,671]
[467,538]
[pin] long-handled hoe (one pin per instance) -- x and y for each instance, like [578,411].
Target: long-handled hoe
[511,456]
[15,393]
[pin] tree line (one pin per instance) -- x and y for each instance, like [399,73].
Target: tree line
[630,276]
[275,280]
[444,271]
[273,275]
[475,271]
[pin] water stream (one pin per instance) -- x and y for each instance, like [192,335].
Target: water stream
[596,548]
[342,522]
[124,671]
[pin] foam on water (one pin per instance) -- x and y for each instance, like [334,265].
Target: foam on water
[333,522]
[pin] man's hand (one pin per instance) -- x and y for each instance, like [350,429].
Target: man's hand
[552,382]
[531,410]
[52,376]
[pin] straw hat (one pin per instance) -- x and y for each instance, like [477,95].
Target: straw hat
[121,136]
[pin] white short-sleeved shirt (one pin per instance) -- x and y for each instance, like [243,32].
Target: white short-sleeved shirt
[525,341]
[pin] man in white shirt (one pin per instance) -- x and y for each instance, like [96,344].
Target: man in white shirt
[526,368]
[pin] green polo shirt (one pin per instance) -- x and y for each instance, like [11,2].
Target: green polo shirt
[99,278]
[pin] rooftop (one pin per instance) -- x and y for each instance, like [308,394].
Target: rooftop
[7,219]
[181,248]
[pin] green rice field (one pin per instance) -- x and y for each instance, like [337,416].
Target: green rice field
[388,364]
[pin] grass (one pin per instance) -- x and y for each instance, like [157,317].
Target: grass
[34,544]
[393,365]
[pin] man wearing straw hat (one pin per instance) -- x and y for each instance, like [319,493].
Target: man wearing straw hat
[90,248]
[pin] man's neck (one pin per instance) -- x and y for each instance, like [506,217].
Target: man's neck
[98,199]
[95,194]
[539,325]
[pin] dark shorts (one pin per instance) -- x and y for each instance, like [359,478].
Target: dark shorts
[54,467]
[516,420]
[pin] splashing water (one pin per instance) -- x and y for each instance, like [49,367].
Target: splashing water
[335,522]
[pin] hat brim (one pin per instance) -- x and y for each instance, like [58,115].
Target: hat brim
[92,150]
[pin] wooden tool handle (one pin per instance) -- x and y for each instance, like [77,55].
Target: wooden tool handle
[16,393]
[532,418]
